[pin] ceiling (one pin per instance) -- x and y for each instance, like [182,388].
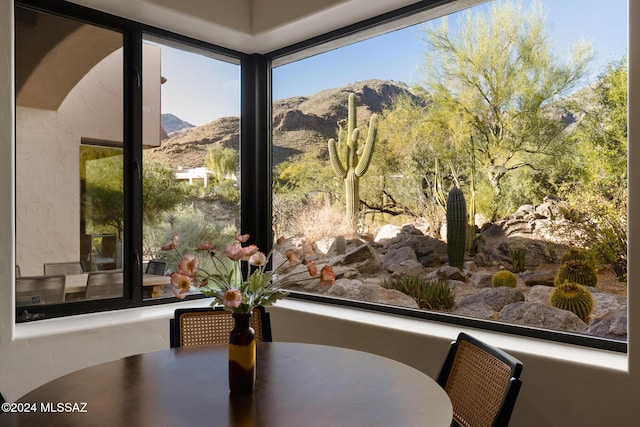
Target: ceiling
[249,26]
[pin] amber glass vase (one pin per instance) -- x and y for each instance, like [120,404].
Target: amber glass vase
[242,355]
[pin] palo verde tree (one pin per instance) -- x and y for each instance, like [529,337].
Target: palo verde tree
[495,78]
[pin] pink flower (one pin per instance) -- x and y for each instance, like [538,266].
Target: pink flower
[312,269]
[181,284]
[189,265]
[171,245]
[232,298]
[205,246]
[248,251]
[327,276]
[242,237]
[234,251]
[292,256]
[258,259]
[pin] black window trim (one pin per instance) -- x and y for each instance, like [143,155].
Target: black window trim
[133,34]
[255,158]
[381,24]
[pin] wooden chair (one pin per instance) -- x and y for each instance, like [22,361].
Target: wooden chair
[482,382]
[38,290]
[104,284]
[18,272]
[207,326]
[156,267]
[58,268]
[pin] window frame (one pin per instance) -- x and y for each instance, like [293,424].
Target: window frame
[133,34]
[255,153]
[401,18]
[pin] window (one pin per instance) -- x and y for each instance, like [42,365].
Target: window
[541,168]
[69,160]
[191,168]
[91,216]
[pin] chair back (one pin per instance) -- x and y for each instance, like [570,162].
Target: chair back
[208,326]
[482,382]
[18,272]
[156,267]
[58,268]
[104,284]
[38,290]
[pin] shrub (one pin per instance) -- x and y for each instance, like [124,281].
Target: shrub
[432,295]
[504,278]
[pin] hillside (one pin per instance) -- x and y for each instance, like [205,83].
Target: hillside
[300,124]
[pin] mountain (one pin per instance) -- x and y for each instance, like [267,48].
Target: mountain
[171,123]
[300,124]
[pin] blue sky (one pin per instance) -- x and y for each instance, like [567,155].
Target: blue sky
[393,56]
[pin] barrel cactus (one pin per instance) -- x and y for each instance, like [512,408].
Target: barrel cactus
[576,271]
[574,253]
[456,227]
[356,161]
[504,278]
[574,298]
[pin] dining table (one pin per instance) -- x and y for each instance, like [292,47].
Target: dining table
[153,284]
[296,385]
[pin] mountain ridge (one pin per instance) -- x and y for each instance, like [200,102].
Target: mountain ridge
[301,124]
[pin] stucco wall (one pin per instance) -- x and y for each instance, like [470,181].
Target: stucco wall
[48,157]
[563,385]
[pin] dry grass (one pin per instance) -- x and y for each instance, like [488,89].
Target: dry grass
[323,221]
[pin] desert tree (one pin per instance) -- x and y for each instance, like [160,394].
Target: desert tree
[497,77]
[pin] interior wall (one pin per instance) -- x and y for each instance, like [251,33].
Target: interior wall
[556,392]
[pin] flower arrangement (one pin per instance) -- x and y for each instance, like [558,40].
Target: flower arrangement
[238,279]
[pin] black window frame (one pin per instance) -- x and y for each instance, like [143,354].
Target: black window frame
[133,34]
[255,156]
[372,27]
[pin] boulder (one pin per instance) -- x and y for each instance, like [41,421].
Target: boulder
[542,316]
[476,311]
[496,298]
[357,290]
[539,276]
[366,260]
[387,232]
[612,325]
[446,272]
[481,279]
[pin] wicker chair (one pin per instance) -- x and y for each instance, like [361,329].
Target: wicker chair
[208,326]
[482,382]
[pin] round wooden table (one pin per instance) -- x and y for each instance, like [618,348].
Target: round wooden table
[297,385]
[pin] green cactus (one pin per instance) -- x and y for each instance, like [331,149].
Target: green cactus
[576,271]
[504,278]
[518,256]
[575,298]
[340,245]
[456,227]
[356,161]
[579,254]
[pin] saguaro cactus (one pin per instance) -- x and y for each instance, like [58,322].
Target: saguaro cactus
[456,227]
[356,161]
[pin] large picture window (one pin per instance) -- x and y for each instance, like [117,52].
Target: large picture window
[487,180]
[110,167]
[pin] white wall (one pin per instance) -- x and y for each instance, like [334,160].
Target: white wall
[48,157]
[563,385]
